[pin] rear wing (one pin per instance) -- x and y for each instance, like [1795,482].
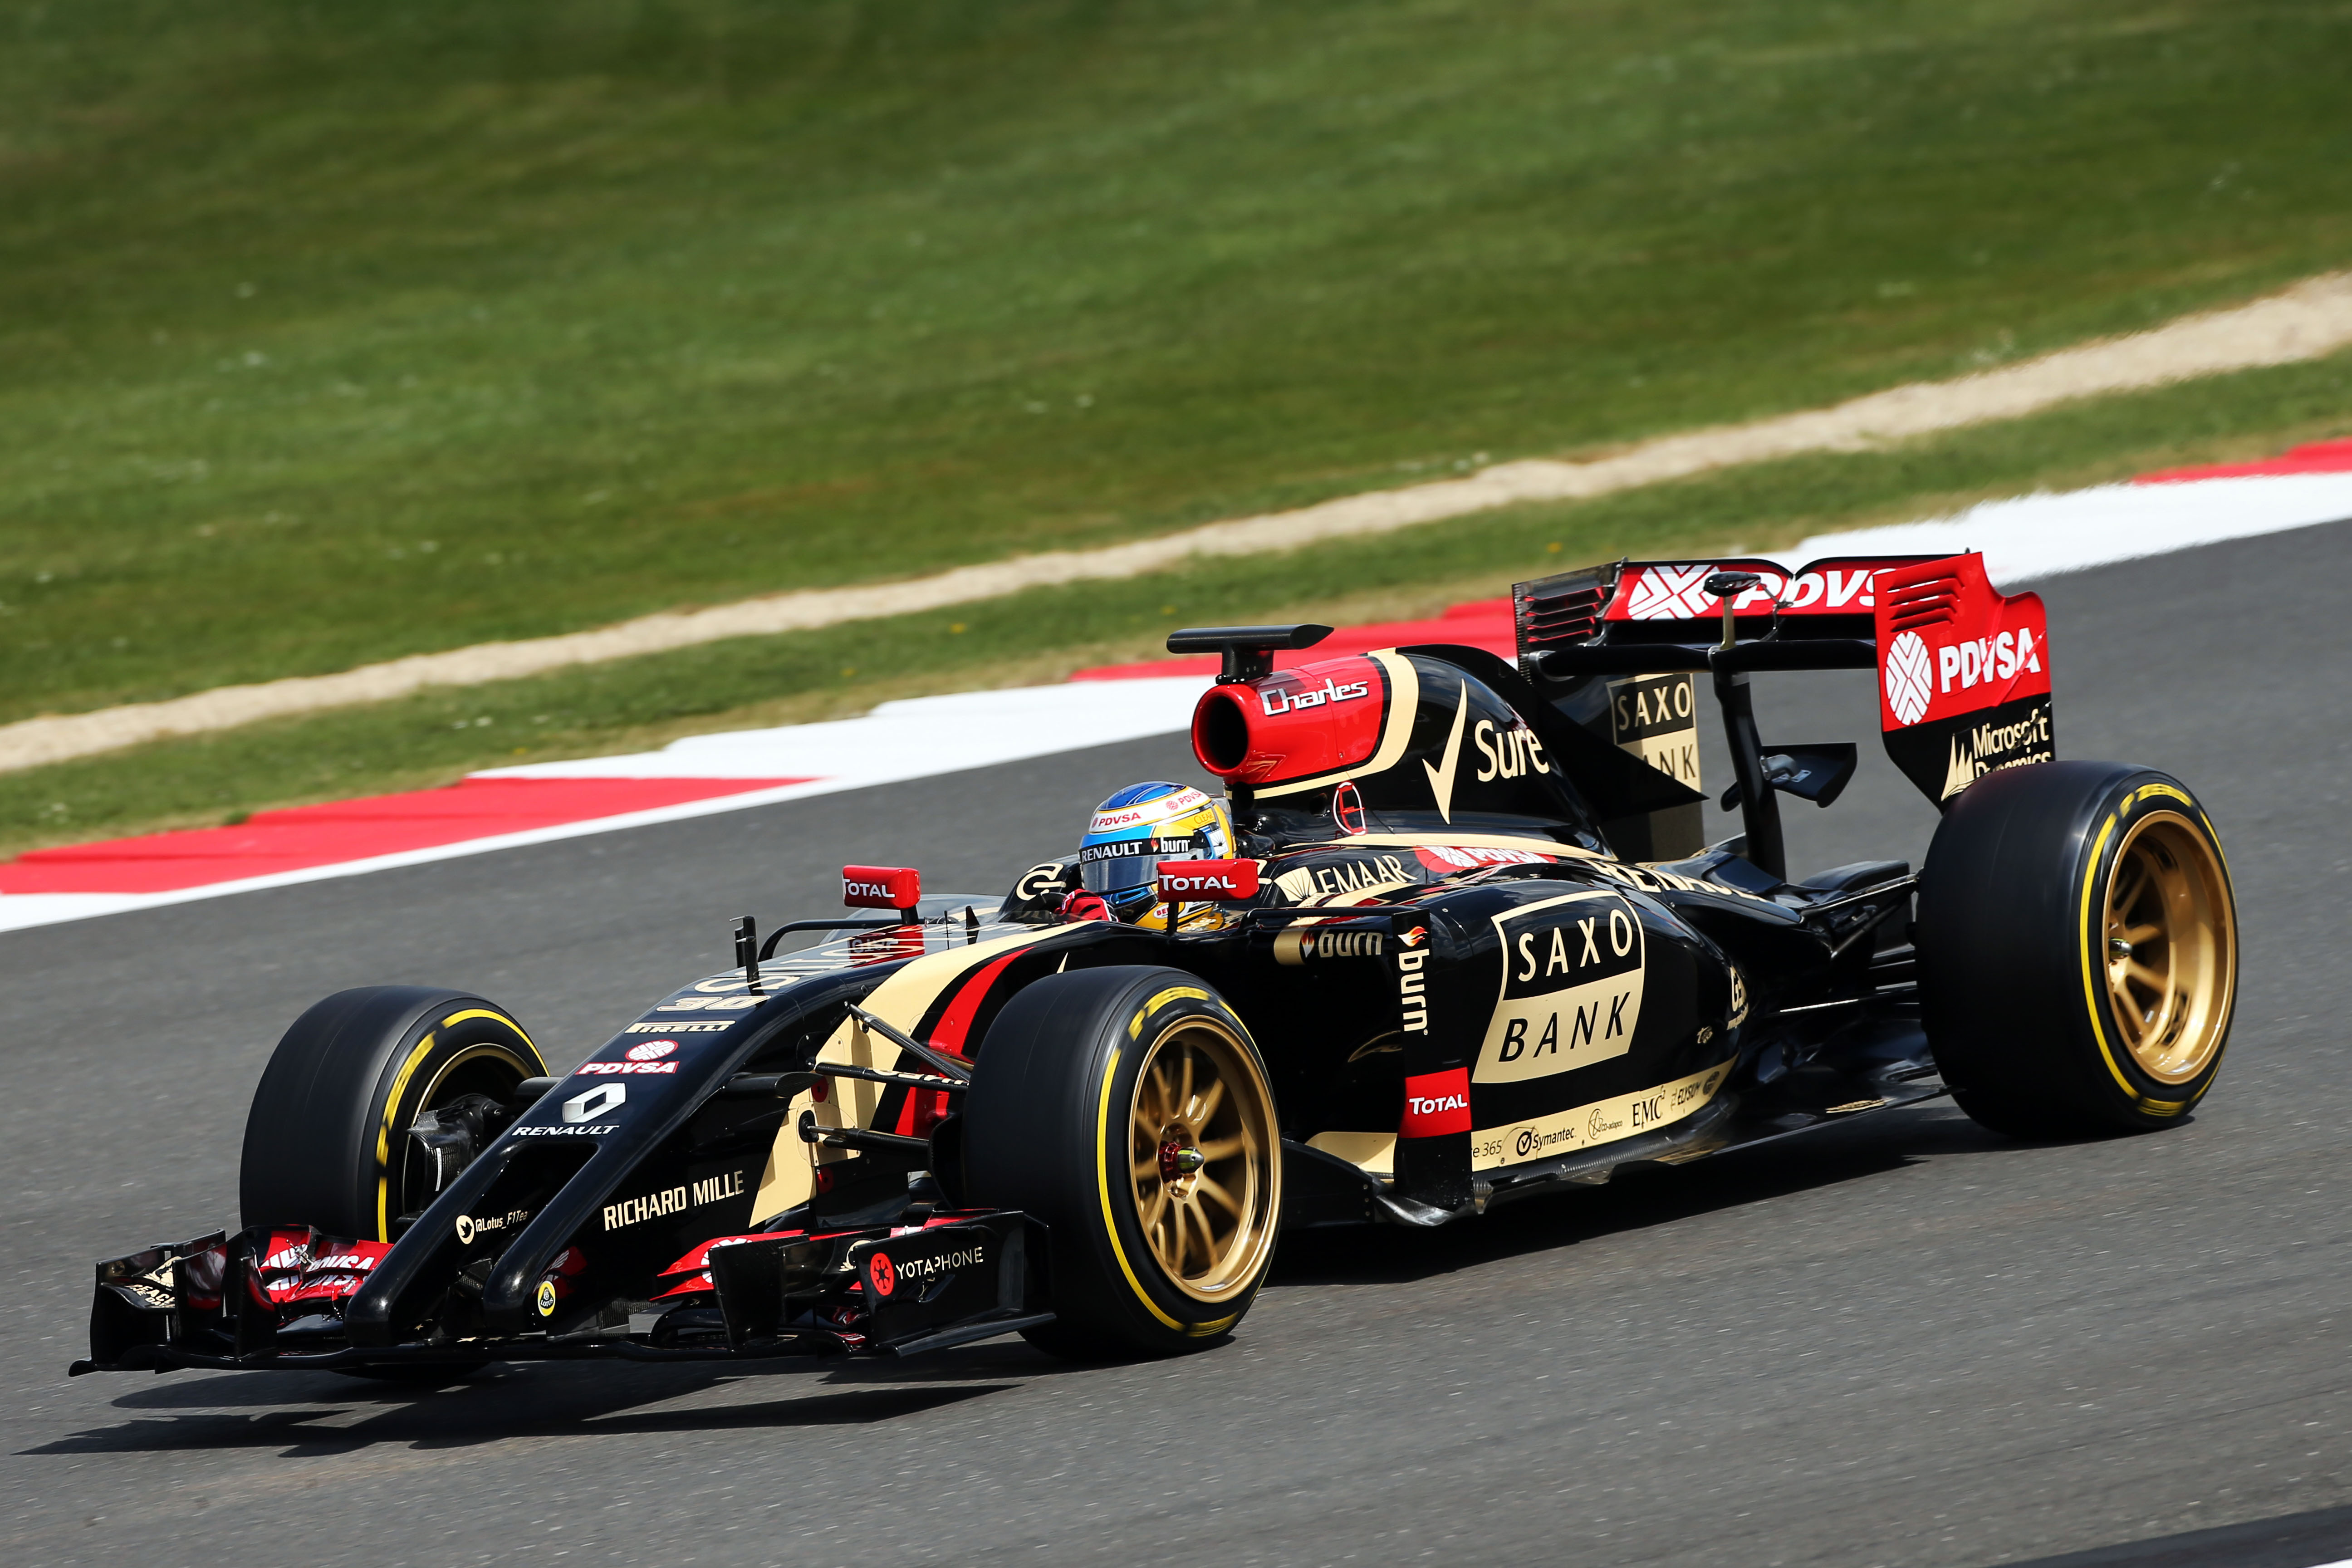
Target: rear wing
[1963,669]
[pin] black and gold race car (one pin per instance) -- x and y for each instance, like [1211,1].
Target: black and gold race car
[1468,948]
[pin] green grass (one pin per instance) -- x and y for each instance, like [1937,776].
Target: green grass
[1043,634]
[331,333]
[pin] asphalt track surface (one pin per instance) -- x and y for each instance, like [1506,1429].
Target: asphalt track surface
[1904,1341]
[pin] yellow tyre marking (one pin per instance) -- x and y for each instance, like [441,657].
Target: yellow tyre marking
[498,1018]
[1102,1185]
[2083,941]
[384,1137]
[399,1088]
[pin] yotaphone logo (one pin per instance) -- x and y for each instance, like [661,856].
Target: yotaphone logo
[1278,700]
[881,1275]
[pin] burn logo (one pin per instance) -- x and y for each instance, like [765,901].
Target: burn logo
[1413,994]
[1571,987]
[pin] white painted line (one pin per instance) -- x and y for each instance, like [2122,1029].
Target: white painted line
[914,737]
[2031,537]
[2044,535]
[2306,322]
[917,738]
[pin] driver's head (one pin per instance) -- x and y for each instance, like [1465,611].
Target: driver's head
[1142,825]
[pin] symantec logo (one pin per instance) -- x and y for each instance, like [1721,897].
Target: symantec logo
[1437,1104]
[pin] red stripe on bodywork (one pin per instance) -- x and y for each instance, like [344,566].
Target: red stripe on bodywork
[926,1108]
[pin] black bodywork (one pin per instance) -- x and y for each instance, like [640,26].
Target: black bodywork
[1463,1005]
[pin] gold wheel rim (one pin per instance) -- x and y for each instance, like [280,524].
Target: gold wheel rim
[2169,947]
[1201,1160]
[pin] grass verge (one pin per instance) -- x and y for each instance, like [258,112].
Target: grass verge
[1044,634]
[329,333]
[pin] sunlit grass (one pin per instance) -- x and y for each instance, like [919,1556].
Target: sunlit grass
[1042,635]
[329,333]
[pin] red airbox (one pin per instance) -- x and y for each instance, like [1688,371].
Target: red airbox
[881,886]
[1293,723]
[1207,881]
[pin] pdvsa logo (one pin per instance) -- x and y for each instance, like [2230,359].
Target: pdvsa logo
[1915,677]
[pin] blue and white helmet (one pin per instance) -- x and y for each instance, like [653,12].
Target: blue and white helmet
[1142,825]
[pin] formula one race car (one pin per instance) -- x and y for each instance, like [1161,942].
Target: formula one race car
[1467,947]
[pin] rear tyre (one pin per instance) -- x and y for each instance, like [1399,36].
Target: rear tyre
[1128,1110]
[2077,946]
[327,1143]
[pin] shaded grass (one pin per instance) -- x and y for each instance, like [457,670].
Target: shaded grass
[1044,634]
[329,333]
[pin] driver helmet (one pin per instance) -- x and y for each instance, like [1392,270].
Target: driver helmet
[1134,830]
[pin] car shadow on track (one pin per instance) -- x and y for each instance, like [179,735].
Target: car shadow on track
[493,1408]
[1641,1197]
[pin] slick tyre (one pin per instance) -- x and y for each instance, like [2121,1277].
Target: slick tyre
[1128,1110]
[2077,943]
[327,1143]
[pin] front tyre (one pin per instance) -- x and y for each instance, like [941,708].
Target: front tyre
[327,1144]
[1128,1110]
[2077,946]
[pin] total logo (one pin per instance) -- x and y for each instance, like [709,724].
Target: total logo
[1278,700]
[1437,1104]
